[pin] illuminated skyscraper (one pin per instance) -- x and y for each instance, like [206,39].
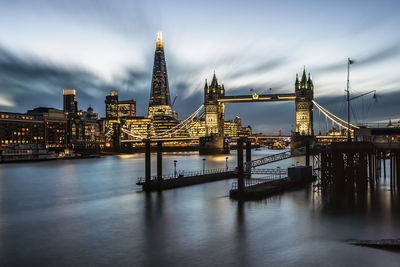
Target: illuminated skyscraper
[160,101]
[112,105]
[69,101]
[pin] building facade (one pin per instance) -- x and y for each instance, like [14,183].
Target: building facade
[55,120]
[18,128]
[126,108]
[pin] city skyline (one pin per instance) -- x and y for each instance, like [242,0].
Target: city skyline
[96,48]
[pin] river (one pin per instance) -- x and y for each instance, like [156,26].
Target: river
[90,212]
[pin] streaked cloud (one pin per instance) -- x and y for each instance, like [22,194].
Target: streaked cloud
[97,46]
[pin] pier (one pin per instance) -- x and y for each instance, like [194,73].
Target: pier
[277,180]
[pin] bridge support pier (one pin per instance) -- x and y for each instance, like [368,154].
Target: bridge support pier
[159,161]
[147,162]
[240,165]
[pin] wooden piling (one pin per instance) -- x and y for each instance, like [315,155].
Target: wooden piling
[240,165]
[147,162]
[159,161]
[384,165]
[248,157]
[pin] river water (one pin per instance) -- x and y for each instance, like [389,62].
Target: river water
[90,212]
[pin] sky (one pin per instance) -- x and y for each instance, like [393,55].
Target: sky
[99,46]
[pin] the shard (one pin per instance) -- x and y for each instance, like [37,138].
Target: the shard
[160,101]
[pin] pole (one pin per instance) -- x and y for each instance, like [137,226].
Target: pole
[147,162]
[226,159]
[204,165]
[348,100]
[175,161]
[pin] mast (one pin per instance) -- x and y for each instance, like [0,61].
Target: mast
[348,100]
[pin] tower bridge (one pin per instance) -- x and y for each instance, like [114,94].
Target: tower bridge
[213,112]
[215,100]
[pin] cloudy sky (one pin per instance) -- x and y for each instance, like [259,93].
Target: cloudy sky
[98,46]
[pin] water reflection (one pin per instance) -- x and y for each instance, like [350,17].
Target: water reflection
[91,212]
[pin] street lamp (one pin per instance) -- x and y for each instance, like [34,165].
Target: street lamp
[175,161]
[279,171]
[204,165]
[226,159]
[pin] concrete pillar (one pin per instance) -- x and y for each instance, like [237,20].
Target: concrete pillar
[240,165]
[147,162]
[384,164]
[159,161]
[391,168]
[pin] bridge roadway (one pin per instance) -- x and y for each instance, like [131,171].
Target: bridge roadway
[256,98]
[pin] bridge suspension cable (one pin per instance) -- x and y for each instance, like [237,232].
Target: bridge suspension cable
[133,133]
[335,119]
[109,132]
[181,125]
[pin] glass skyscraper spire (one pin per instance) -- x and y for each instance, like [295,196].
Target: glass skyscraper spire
[160,100]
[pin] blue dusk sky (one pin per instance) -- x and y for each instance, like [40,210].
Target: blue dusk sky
[98,46]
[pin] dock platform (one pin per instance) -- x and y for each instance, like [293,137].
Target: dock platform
[188,179]
[262,188]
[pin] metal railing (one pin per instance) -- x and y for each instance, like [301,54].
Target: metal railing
[283,173]
[182,174]
[255,181]
[277,157]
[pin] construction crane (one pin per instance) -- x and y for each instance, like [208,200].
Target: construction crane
[373,91]
[173,101]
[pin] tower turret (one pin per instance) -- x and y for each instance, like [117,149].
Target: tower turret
[304,79]
[297,82]
[310,84]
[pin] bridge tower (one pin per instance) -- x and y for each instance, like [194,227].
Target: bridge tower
[304,91]
[214,111]
[214,142]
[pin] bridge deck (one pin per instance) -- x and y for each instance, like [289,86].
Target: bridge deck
[257,98]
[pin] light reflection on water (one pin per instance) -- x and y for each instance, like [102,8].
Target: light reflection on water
[78,212]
